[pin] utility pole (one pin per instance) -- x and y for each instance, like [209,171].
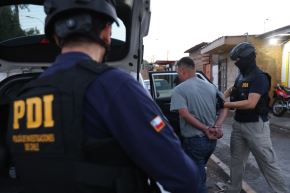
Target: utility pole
[265,21]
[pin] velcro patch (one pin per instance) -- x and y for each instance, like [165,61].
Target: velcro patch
[157,123]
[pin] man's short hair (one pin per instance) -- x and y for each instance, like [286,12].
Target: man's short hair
[185,62]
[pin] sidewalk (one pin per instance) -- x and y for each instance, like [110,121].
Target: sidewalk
[282,123]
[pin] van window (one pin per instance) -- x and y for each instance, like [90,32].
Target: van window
[163,84]
[23,25]
[26,20]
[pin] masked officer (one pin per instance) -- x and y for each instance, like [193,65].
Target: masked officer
[251,131]
[83,126]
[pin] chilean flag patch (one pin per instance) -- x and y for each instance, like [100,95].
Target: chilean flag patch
[157,123]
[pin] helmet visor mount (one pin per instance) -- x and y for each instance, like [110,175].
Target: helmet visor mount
[57,10]
[242,50]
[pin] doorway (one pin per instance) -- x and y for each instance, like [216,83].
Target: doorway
[222,75]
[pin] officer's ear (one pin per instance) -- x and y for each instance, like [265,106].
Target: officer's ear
[106,34]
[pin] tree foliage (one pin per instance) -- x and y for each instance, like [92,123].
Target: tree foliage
[147,65]
[10,25]
[32,31]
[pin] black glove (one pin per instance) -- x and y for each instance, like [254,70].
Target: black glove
[220,102]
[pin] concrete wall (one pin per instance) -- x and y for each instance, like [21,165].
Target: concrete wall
[269,59]
[285,72]
[232,72]
[202,63]
[196,58]
[231,69]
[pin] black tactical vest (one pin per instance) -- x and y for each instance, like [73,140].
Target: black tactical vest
[241,92]
[50,150]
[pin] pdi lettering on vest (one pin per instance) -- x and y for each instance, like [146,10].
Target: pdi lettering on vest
[245,84]
[38,111]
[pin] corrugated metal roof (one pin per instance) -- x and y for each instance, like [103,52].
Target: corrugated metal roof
[196,47]
[282,30]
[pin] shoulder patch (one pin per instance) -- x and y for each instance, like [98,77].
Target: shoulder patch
[157,123]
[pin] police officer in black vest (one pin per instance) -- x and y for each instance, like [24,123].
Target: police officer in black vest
[251,131]
[83,126]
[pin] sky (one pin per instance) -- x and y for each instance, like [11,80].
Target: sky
[177,25]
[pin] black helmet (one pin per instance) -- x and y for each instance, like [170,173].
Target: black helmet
[242,50]
[58,9]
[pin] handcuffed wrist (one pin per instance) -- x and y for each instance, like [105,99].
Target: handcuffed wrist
[205,128]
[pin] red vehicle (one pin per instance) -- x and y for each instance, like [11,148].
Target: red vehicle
[281,100]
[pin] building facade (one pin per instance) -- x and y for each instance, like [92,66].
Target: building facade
[272,56]
[202,61]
